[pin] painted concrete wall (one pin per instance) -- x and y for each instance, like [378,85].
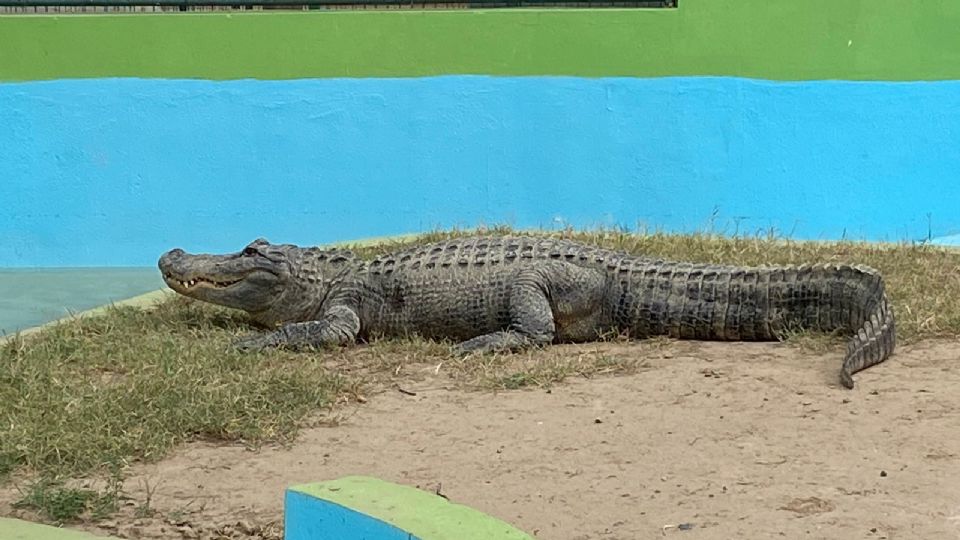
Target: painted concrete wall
[889,40]
[124,136]
[117,171]
[33,296]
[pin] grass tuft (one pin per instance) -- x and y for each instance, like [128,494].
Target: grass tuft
[59,503]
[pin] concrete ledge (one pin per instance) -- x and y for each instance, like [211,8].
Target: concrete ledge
[17,529]
[143,300]
[364,508]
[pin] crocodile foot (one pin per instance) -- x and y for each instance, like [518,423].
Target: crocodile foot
[254,343]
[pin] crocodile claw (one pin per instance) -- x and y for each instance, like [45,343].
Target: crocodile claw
[253,343]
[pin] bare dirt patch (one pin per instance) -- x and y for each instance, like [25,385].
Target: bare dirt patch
[703,440]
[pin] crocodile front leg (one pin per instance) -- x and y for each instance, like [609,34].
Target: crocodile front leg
[340,325]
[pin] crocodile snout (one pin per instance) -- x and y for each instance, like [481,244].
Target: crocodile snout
[170,257]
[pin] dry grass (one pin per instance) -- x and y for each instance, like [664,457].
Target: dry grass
[89,397]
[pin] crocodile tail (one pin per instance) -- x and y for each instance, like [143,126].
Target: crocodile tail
[874,340]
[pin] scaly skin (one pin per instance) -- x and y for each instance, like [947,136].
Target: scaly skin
[498,293]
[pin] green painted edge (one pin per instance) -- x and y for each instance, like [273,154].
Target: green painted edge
[887,40]
[422,514]
[17,529]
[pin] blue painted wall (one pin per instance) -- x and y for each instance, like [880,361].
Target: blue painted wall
[115,171]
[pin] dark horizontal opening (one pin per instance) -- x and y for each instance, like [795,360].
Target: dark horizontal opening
[40,6]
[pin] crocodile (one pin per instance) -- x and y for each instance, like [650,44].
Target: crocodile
[490,293]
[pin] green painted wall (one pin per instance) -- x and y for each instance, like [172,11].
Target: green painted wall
[773,39]
[15,529]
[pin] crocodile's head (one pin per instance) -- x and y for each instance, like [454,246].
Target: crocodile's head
[275,283]
[251,280]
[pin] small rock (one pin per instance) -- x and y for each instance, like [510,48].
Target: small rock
[883,474]
[685,526]
[597,421]
[809,506]
[245,527]
[187,531]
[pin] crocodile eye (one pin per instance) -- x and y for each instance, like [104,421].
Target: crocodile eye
[250,252]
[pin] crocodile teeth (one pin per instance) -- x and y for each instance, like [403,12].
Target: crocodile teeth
[192,282]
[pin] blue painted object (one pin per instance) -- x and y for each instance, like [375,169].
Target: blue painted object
[115,171]
[368,508]
[307,518]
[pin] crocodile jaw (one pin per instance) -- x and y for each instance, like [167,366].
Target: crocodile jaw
[232,280]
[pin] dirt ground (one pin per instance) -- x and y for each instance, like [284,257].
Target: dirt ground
[709,441]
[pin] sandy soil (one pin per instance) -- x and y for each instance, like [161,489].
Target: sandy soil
[716,440]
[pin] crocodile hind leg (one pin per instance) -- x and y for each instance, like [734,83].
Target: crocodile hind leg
[531,319]
[503,341]
[545,303]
